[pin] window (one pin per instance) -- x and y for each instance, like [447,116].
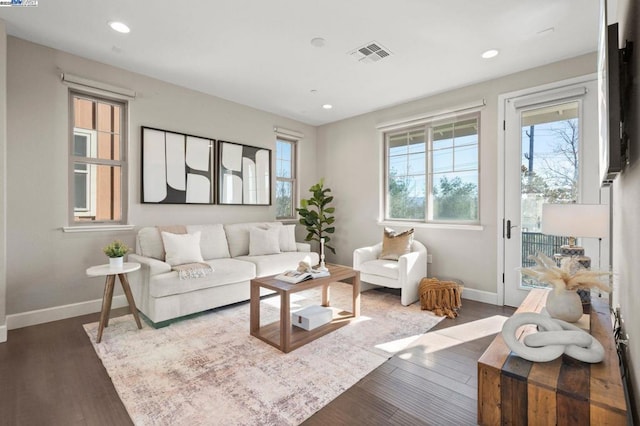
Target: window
[97,160]
[285,178]
[432,172]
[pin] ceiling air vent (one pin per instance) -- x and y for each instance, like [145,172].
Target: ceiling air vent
[370,52]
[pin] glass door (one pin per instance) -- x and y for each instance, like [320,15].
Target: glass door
[544,145]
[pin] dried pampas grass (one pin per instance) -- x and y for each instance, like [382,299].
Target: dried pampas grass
[571,275]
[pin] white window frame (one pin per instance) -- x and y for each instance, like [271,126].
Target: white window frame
[91,140]
[294,175]
[427,123]
[93,161]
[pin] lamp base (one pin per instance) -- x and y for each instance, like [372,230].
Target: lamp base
[569,250]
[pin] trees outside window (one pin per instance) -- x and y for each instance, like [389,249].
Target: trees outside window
[550,159]
[285,178]
[432,172]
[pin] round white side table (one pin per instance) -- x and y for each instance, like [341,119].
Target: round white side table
[110,273]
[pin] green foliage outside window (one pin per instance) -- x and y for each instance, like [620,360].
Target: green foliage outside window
[455,200]
[401,204]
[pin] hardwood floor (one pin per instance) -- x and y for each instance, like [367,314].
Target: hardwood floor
[50,375]
[421,386]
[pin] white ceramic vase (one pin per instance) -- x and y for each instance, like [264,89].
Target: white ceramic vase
[564,305]
[116,262]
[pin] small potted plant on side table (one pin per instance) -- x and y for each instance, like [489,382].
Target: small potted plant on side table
[115,252]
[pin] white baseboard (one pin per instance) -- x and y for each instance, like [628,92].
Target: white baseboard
[3,333]
[480,296]
[40,316]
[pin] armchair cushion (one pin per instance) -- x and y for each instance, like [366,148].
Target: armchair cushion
[395,244]
[404,273]
[381,267]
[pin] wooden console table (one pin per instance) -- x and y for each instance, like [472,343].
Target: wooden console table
[514,391]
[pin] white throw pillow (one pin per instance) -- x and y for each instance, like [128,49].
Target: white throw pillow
[182,248]
[264,241]
[213,241]
[288,238]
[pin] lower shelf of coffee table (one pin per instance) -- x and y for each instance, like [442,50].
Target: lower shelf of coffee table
[270,333]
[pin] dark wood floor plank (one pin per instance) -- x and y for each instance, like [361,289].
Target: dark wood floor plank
[453,369]
[422,403]
[51,375]
[435,377]
[355,407]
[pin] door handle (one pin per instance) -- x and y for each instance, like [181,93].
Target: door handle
[509,226]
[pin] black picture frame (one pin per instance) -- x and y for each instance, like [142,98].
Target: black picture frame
[176,168]
[244,174]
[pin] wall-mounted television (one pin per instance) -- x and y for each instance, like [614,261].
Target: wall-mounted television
[609,105]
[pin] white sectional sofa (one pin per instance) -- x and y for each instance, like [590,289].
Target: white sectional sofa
[161,295]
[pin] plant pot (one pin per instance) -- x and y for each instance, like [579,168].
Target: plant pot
[116,262]
[564,305]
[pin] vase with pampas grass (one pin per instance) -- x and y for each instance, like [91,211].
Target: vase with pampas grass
[563,301]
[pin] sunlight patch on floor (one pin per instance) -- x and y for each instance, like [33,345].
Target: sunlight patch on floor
[434,341]
[396,346]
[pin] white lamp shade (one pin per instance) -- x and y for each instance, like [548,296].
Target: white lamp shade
[576,220]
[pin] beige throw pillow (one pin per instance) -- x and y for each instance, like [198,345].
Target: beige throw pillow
[395,244]
[182,248]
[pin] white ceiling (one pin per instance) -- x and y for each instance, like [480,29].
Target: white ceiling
[259,52]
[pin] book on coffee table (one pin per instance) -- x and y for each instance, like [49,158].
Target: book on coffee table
[294,276]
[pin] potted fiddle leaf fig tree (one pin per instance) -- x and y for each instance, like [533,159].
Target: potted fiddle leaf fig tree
[317,216]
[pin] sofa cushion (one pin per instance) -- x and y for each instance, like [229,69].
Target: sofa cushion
[225,271]
[264,241]
[213,241]
[381,267]
[272,264]
[288,238]
[181,248]
[149,243]
[238,236]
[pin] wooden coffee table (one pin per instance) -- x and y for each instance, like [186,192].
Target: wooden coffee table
[281,334]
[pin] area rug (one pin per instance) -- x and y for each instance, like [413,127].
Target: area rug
[209,370]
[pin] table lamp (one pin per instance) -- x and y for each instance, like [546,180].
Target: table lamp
[576,220]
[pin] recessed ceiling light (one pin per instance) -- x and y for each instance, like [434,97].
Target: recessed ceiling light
[491,53]
[327,106]
[119,27]
[317,42]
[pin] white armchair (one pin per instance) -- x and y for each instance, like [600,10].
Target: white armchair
[405,273]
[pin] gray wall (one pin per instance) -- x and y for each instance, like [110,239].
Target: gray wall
[3,178]
[46,267]
[350,154]
[626,207]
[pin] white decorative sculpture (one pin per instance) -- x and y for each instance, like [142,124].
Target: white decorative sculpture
[322,266]
[554,338]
